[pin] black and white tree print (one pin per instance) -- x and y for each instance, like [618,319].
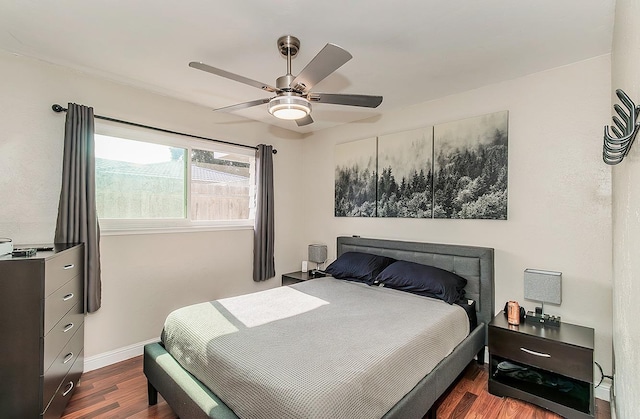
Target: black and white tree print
[355,179]
[470,168]
[405,174]
[452,170]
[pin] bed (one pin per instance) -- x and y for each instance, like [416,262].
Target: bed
[190,397]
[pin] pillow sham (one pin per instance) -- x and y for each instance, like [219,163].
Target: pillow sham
[423,280]
[357,266]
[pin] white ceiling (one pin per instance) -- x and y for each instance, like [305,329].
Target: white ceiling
[409,51]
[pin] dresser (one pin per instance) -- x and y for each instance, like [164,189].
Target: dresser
[545,365]
[42,329]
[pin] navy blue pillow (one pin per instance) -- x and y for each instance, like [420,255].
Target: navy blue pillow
[423,280]
[357,266]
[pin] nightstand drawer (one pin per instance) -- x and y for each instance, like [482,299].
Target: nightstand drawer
[561,358]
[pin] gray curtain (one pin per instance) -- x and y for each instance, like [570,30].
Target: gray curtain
[77,217]
[263,235]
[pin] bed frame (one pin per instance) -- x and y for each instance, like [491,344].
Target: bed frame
[189,398]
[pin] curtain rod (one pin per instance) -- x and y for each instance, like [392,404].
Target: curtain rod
[58,108]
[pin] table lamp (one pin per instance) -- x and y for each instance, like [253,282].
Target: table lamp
[544,287]
[318,255]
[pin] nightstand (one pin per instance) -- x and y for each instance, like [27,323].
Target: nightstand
[551,367]
[295,277]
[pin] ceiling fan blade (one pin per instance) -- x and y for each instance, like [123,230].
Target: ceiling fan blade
[328,60]
[304,121]
[243,105]
[232,76]
[365,101]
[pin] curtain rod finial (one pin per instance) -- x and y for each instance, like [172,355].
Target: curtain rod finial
[58,108]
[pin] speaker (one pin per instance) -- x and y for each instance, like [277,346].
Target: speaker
[523,312]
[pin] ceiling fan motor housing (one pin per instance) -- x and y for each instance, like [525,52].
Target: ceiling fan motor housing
[283,82]
[288,45]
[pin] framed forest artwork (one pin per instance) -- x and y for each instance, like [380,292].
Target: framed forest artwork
[355,181]
[405,174]
[470,168]
[454,170]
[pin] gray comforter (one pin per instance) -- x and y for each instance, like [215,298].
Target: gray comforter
[320,349]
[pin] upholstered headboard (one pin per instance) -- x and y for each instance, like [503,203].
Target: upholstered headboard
[471,262]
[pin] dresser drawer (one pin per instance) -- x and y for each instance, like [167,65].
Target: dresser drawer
[557,357]
[60,302]
[61,334]
[65,391]
[52,379]
[61,268]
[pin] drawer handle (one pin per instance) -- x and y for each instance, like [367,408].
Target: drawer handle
[529,351]
[67,328]
[67,297]
[71,266]
[68,358]
[70,385]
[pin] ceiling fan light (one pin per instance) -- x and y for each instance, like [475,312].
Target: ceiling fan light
[289,107]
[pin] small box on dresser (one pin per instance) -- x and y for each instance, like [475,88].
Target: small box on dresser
[42,329]
[548,366]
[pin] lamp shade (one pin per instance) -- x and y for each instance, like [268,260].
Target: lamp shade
[317,253]
[289,107]
[544,286]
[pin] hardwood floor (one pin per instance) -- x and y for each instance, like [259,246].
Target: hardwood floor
[120,391]
[115,391]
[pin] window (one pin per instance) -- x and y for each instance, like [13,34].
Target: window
[172,184]
[221,186]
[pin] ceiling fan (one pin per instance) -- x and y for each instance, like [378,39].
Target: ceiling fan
[293,97]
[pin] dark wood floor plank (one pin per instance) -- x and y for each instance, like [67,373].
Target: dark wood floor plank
[485,406]
[463,406]
[120,391]
[448,404]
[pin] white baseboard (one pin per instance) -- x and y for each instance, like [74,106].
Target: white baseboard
[107,358]
[602,392]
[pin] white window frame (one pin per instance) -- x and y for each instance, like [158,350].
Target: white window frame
[117,226]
